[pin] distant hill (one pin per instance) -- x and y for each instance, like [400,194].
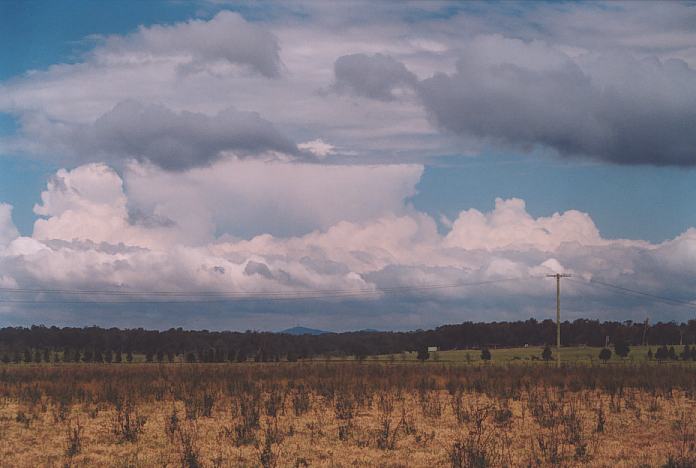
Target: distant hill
[303,331]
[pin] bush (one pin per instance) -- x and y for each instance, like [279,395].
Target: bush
[423,353]
[74,443]
[546,354]
[621,348]
[605,354]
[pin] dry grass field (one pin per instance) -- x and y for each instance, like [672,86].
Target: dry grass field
[346,414]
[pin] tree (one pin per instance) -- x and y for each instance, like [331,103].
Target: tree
[5,358]
[108,356]
[118,357]
[546,354]
[27,355]
[661,354]
[129,356]
[87,356]
[160,355]
[621,348]
[650,354]
[423,353]
[672,353]
[485,354]
[605,354]
[686,353]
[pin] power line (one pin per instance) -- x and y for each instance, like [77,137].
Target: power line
[233,296]
[628,292]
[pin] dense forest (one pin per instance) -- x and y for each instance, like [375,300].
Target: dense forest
[39,342]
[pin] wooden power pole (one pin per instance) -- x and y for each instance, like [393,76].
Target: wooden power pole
[558,277]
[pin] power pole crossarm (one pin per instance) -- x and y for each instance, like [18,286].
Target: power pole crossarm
[558,277]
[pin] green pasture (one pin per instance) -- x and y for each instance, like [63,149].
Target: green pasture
[531,354]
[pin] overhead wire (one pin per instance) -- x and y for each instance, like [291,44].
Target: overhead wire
[206,297]
[634,292]
[229,296]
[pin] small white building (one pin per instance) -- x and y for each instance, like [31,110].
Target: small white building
[432,349]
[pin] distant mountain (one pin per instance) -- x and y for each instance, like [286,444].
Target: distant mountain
[303,331]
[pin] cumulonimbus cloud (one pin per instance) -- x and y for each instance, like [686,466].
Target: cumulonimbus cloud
[89,239]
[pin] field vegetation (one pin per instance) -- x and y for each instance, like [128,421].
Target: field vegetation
[373,413]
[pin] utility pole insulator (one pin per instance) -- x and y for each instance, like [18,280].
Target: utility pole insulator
[558,277]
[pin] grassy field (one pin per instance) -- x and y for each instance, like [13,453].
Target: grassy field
[531,354]
[347,414]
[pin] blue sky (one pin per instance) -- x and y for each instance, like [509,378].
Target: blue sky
[167,125]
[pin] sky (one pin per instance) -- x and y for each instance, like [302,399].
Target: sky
[347,165]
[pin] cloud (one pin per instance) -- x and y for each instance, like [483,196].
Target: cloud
[88,204]
[509,226]
[250,197]
[375,77]
[319,148]
[176,141]
[89,239]
[612,84]
[611,107]
[156,134]
[525,94]
[226,37]
[238,198]
[8,231]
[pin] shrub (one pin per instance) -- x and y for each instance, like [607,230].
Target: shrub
[127,424]
[546,354]
[74,439]
[621,348]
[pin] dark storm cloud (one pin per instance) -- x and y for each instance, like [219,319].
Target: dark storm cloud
[612,107]
[621,110]
[176,140]
[373,77]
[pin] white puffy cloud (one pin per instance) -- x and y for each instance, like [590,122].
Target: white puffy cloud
[8,231]
[88,204]
[89,238]
[509,226]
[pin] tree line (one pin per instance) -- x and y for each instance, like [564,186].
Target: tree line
[40,343]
